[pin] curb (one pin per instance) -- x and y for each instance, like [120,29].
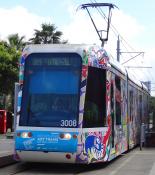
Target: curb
[7,160]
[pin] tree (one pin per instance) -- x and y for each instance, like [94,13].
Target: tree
[16,42]
[47,35]
[9,58]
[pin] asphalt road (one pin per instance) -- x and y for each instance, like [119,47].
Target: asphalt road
[135,162]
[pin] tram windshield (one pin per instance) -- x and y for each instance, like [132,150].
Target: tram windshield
[51,90]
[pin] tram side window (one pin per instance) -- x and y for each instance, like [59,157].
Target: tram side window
[140,107]
[118,100]
[95,101]
[145,108]
[131,105]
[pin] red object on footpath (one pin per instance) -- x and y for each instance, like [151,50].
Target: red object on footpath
[3,121]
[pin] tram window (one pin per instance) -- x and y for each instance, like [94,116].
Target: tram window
[131,105]
[140,106]
[95,101]
[118,100]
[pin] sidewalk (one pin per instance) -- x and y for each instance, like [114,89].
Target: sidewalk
[135,162]
[6,150]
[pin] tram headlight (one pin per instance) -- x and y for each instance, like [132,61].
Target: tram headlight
[26,134]
[68,136]
[65,136]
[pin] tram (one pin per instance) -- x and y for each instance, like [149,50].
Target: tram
[75,105]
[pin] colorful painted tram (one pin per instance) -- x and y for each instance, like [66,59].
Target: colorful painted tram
[76,106]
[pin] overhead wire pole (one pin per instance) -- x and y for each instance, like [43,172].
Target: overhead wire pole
[119,53]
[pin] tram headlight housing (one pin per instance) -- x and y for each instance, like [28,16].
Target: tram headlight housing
[26,134]
[65,136]
[68,136]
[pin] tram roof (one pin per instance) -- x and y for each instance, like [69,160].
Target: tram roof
[118,66]
[131,76]
[125,71]
[78,48]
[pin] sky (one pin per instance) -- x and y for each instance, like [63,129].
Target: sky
[132,20]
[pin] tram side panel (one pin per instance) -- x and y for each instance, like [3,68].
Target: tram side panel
[137,112]
[104,138]
[145,109]
[132,116]
[95,138]
[124,115]
[119,138]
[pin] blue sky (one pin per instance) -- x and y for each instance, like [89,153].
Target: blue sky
[134,20]
[142,10]
[57,10]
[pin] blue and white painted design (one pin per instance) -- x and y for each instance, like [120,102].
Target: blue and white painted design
[46,141]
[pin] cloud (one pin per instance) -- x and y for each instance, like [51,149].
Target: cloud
[127,25]
[80,29]
[19,20]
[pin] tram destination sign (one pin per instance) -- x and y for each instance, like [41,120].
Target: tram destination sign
[54,61]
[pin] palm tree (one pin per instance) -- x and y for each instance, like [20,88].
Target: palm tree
[15,41]
[47,35]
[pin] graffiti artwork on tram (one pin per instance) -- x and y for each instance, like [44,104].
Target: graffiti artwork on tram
[94,147]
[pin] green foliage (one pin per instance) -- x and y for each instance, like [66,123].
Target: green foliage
[10,52]
[9,58]
[16,42]
[47,35]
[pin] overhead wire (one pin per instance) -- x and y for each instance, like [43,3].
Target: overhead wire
[113,28]
[115,31]
[123,42]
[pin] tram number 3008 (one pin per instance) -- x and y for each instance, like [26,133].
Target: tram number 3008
[68,123]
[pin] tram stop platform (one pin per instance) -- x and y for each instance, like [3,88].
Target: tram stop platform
[6,149]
